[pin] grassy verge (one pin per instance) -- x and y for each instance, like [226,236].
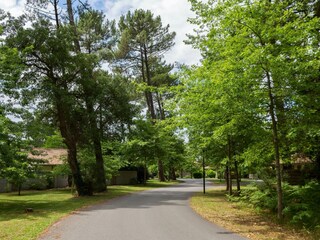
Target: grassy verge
[242,219]
[49,206]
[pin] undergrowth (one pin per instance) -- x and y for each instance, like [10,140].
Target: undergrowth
[301,203]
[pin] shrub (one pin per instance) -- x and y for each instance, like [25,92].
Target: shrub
[260,196]
[210,173]
[197,175]
[302,205]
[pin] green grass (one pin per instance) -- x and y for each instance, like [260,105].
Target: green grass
[49,206]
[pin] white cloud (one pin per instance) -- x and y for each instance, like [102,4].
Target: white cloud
[15,7]
[7,4]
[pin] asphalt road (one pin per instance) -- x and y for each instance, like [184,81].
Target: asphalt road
[159,214]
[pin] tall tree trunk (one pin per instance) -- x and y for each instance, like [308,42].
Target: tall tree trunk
[226,176]
[149,83]
[151,107]
[65,129]
[317,163]
[203,174]
[73,25]
[101,124]
[100,184]
[236,170]
[161,171]
[229,164]
[172,173]
[56,14]
[145,80]
[82,188]
[71,143]
[160,105]
[275,145]
[145,171]
[317,9]
[174,176]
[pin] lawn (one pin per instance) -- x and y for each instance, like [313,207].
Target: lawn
[243,219]
[48,207]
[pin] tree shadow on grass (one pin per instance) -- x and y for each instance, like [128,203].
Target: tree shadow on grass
[47,202]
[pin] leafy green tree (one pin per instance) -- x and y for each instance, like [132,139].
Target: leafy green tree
[116,107]
[14,164]
[140,149]
[17,173]
[66,84]
[143,41]
[50,72]
[92,31]
[54,141]
[175,151]
[267,46]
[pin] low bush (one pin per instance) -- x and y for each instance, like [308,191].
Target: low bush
[197,175]
[301,203]
[210,173]
[259,196]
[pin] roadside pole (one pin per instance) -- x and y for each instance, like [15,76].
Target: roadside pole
[203,174]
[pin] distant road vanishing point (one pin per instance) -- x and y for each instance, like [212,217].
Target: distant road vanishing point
[158,214]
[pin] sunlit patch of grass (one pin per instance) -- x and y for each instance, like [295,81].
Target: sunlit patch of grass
[243,219]
[49,206]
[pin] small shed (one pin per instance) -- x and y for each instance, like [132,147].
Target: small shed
[125,178]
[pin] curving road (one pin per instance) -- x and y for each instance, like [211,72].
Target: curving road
[159,214]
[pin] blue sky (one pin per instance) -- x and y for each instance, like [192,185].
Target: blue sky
[173,12]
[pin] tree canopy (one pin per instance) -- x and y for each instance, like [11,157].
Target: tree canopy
[103,90]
